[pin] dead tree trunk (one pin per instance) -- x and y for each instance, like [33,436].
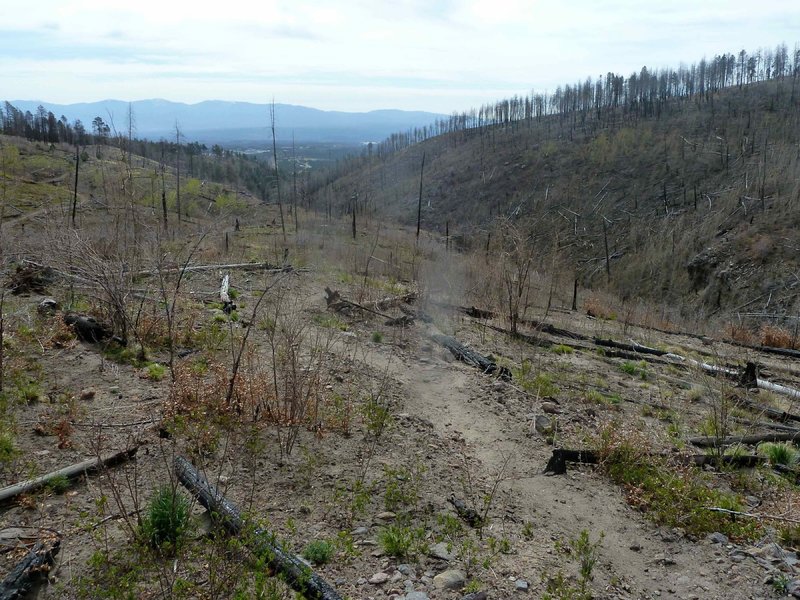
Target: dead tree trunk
[299,576]
[470,357]
[71,472]
[32,567]
[749,440]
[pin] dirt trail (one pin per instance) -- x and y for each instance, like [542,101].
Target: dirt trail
[638,559]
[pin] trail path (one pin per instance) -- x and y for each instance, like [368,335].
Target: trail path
[643,560]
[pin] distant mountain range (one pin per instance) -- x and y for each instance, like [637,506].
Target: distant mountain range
[221,122]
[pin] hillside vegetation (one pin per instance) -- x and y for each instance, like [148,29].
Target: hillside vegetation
[693,201]
[321,394]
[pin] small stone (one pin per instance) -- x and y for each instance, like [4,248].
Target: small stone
[718,538]
[386,516]
[379,578]
[476,596]
[441,551]
[405,569]
[521,585]
[636,547]
[88,393]
[551,408]
[543,425]
[417,596]
[48,307]
[451,579]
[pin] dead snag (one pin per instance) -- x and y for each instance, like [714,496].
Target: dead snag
[470,357]
[299,576]
[70,472]
[35,564]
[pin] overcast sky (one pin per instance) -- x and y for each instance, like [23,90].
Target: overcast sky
[437,55]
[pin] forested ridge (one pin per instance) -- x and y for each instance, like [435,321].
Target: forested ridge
[680,185]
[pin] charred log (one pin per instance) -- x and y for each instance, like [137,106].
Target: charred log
[296,573]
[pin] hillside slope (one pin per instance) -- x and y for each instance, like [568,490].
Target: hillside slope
[698,203]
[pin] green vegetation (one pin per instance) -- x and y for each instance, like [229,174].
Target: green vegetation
[781,453]
[635,369]
[156,371]
[562,349]
[166,519]
[402,541]
[58,484]
[670,495]
[318,552]
[586,553]
[330,321]
[377,337]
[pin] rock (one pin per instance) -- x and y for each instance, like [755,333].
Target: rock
[793,588]
[48,307]
[406,570]
[417,596]
[441,551]
[476,596]
[718,538]
[379,578]
[543,424]
[551,408]
[88,393]
[521,585]
[451,579]
[386,516]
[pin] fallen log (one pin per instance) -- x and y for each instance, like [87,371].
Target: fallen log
[747,440]
[408,298]
[70,472]
[470,357]
[765,425]
[296,573]
[633,347]
[401,321]
[557,465]
[30,569]
[334,301]
[533,340]
[773,413]
[267,267]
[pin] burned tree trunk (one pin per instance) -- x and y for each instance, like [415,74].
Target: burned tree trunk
[32,567]
[299,576]
[470,357]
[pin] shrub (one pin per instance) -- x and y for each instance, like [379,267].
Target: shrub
[776,337]
[672,496]
[58,484]
[166,519]
[562,349]
[377,337]
[400,541]
[156,371]
[779,453]
[7,449]
[318,552]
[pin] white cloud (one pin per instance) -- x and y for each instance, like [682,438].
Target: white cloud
[439,55]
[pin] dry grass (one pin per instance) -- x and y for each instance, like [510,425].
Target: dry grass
[776,337]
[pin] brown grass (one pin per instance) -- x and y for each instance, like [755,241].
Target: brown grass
[776,337]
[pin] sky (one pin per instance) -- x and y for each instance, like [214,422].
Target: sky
[357,55]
